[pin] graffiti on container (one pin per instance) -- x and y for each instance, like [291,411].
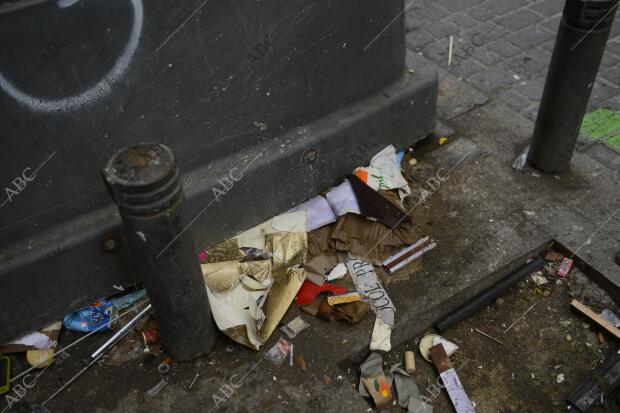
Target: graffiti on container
[86,97]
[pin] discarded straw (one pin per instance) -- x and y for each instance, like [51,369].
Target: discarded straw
[193,381]
[120,333]
[519,319]
[62,350]
[489,336]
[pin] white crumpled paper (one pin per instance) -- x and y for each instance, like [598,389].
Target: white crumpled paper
[384,173]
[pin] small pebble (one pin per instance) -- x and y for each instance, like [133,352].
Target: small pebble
[569,338]
[413,161]
[499,301]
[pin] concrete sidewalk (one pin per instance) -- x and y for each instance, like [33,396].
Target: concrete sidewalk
[502,49]
[512,41]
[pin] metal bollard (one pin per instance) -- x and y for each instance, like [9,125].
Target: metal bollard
[144,181]
[577,54]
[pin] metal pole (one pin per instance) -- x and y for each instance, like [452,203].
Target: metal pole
[577,54]
[121,332]
[144,181]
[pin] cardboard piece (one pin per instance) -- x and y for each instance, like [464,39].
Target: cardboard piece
[369,240]
[374,206]
[317,267]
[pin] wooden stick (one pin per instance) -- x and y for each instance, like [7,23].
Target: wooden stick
[596,318]
[519,319]
[489,336]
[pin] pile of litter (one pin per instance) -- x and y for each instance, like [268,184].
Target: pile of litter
[329,256]
[325,255]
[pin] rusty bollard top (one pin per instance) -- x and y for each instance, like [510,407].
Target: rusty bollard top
[143,179]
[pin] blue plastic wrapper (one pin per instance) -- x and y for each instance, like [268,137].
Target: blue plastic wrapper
[97,316]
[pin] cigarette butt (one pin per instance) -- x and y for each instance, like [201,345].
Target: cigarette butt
[601,338]
[409,362]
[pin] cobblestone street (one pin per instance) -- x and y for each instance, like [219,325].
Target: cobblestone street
[503,47]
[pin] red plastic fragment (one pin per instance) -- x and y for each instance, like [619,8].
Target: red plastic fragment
[308,292]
